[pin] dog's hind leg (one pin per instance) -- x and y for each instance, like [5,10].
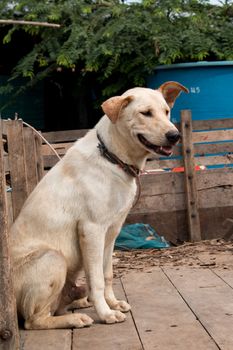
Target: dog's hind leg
[73,297]
[42,280]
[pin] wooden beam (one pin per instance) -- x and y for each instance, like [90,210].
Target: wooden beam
[190,177]
[39,157]
[212,124]
[17,164]
[64,135]
[30,159]
[213,135]
[9,336]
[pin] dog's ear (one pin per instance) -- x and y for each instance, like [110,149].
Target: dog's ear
[113,106]
[171,90]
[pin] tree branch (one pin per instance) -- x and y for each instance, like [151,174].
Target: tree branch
[31,23]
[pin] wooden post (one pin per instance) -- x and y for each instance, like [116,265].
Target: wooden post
[190,176]
[39,157]
[30,158]
[9,335]
[17,164]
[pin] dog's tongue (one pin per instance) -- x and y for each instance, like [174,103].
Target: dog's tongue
[166,150]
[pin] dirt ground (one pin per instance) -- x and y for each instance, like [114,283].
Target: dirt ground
[212,253]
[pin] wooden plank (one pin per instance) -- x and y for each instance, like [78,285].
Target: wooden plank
[61,148]
[30,159]
[121,336]
[190,177]
[226,275]
[9,337]
[54,339]
[64,135]
[165,193]
[39,158]
[161,183]
[17,164]
[211,136]
[220,196]
[9,209]
[214,178]
[214,160]
[212,124]
[210,298]
[50,161]
[162,318]
[6,163]
[168,182]
[211,148]
[160,203]
[205,161]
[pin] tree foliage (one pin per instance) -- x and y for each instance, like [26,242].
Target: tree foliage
[115,42]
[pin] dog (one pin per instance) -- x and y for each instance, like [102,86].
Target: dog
[72,218]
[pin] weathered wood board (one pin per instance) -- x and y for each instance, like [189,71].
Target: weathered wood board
[162,203]
[9,336]
[17,164]
[210,299]
[53,339]
[122,336]
[162,318]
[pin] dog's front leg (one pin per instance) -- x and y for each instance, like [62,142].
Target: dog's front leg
[108,276]
[92,241]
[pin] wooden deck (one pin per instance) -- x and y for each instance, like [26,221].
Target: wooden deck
[176,308]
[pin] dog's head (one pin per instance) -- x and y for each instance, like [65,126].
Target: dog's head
[144,115]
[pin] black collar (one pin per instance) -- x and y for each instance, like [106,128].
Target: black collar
[129,169]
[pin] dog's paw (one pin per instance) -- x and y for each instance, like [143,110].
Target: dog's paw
[80,320]
[80,304]
[114,317]
[120,305]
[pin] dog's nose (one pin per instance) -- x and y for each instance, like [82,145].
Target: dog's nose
[173,136]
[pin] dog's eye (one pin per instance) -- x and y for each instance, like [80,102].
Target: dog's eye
[147,113]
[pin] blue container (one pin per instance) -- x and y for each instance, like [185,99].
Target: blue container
[210,85]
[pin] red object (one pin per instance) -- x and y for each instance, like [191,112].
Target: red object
[181,169]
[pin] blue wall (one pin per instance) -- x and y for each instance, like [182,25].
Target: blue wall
[210,85]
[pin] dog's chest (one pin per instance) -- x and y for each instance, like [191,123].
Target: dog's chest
[108,198]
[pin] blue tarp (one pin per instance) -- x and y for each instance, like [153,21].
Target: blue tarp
[139,236]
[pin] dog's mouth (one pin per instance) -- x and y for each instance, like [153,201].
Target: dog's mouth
[163,150]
